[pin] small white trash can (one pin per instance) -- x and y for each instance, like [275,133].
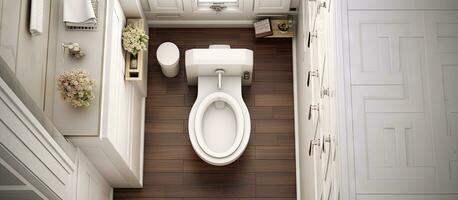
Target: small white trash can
[168,57]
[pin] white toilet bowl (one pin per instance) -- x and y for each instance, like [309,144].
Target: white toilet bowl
[219,122]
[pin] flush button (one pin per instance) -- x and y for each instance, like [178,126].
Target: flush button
[246,76]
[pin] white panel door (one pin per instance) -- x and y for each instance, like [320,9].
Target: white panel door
[166,6]
[404,72]
[271,6]
[403,4]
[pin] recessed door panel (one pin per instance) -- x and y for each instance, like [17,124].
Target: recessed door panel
[166,6]
[271,6]
[403,66]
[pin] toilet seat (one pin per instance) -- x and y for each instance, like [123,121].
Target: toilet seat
[231,106]
[226,149]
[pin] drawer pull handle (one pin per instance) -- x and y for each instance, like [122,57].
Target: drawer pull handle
[311,73]
[313,108]
[315,142]
[309,41]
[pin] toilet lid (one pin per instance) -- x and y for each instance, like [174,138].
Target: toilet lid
[167,53]
[219,125]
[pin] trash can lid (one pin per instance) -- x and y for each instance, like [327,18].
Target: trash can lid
[167,53]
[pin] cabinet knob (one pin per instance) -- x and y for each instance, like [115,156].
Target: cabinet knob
[308,79]
[325,92]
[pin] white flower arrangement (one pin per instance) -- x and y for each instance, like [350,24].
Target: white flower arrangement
[134,39]
[76,87]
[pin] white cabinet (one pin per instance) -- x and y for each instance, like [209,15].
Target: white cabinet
[166,6]
[193,13]
[110,130]
[90,185]
[271,6]
[29,149]
[322,109]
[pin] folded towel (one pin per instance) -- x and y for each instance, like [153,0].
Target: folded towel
[36,17]
[79,13]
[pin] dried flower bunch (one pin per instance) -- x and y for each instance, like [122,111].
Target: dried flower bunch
[76,87]
[134,39]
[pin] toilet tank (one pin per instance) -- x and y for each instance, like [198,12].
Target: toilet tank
[204,62]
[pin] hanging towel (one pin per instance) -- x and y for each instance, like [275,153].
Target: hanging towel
[36,17]
[79,13]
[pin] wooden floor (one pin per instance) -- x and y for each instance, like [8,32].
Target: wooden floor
[266,170]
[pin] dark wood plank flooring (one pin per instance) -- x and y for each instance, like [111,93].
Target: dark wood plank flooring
[266,170]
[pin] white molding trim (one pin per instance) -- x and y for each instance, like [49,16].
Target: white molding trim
[296,122]
[132,8]
[344,115]
[27,146]
[201,23]
[22,112]
[27,185]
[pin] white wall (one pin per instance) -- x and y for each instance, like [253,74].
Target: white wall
[25,54]
[68,120]
[401,75]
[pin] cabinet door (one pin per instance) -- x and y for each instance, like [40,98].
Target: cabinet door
[90,185]
[271,6]
[323,86]
[166,6]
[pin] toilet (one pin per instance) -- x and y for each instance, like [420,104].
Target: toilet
[219,122]
[168,56]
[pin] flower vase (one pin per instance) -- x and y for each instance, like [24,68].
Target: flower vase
[133,61]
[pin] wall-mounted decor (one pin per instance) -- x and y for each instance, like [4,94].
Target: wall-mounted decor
[76,87]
